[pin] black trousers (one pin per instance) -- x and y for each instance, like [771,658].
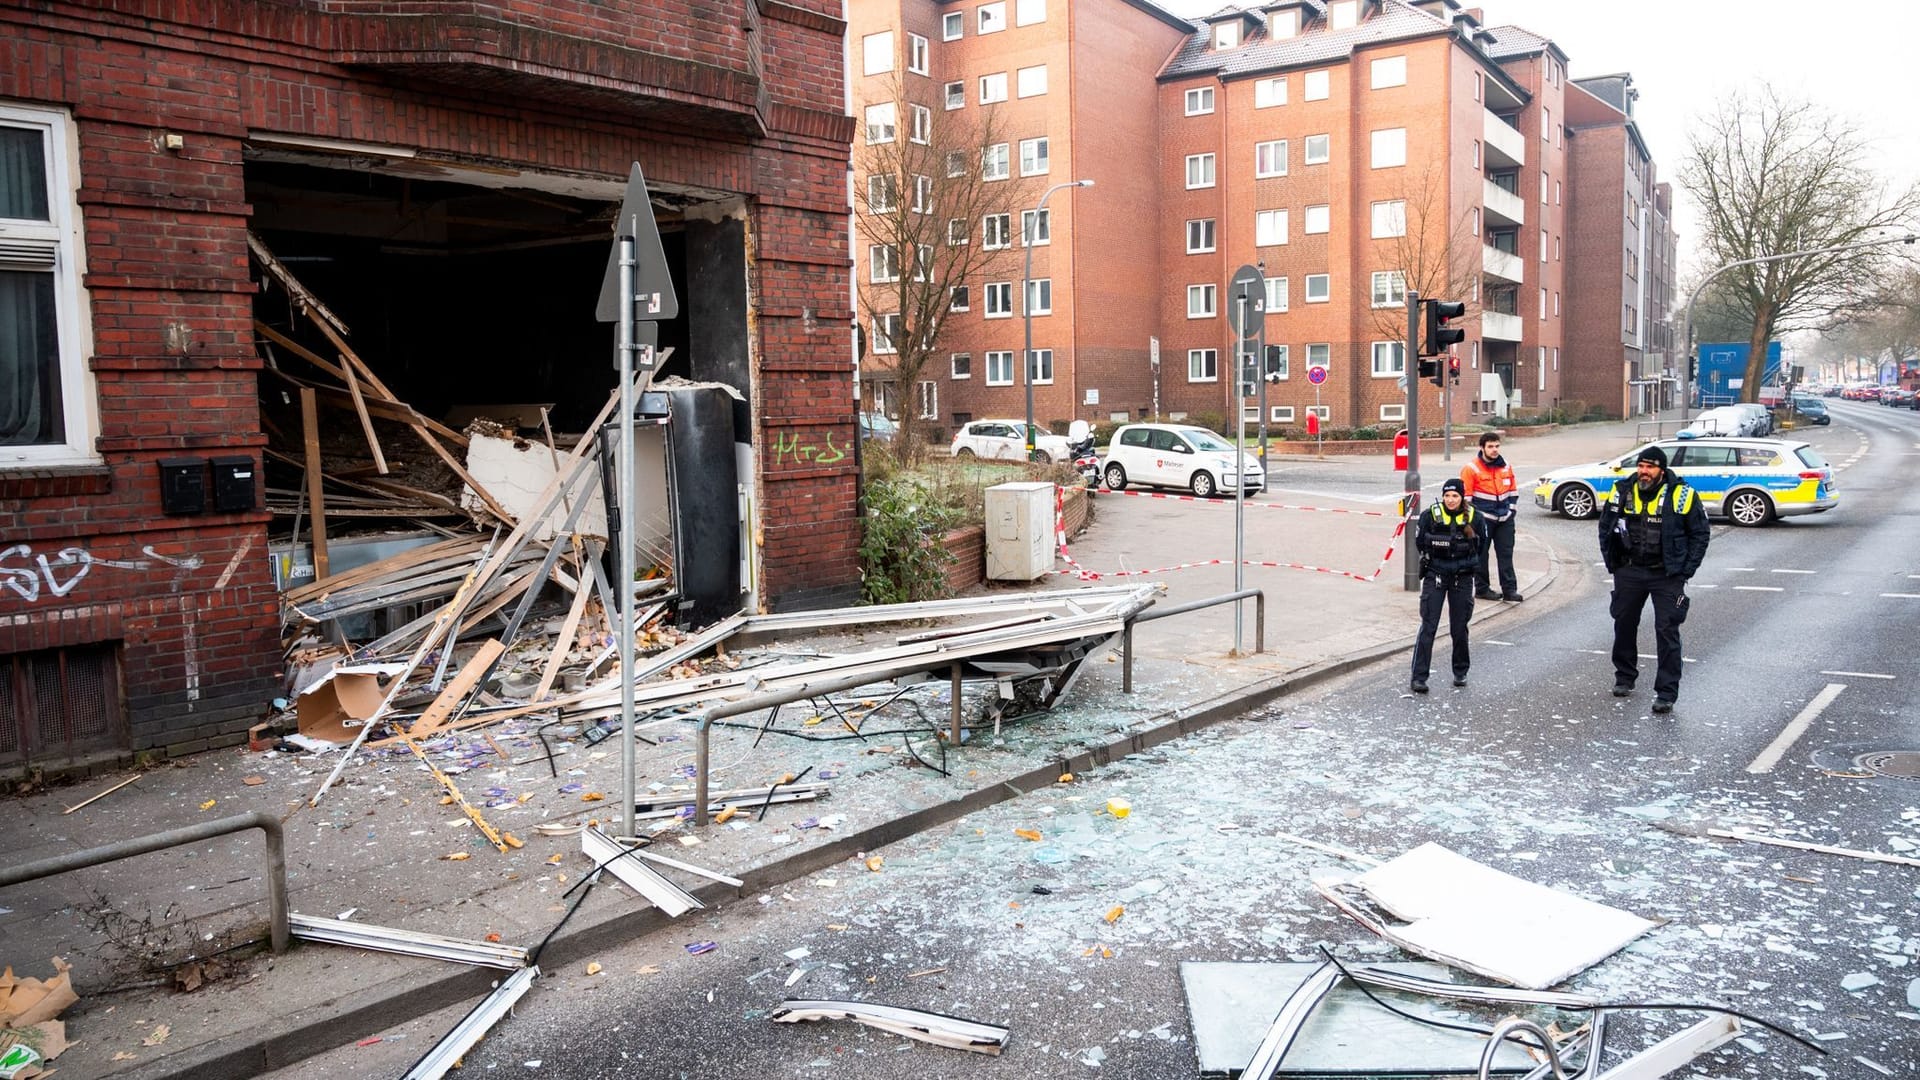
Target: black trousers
[1632,586]
[1455,590]
[1496,538]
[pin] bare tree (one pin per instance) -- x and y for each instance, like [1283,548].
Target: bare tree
[1887,327]
[1436,254]
[938,204]
[1775,174]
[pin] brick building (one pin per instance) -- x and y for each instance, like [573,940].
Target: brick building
[444,174]
[1621,356]
[1351,149]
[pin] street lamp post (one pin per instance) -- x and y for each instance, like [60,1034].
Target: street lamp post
[1686,320]
[1026,301]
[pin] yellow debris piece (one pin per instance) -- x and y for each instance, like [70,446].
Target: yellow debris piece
[1027,834]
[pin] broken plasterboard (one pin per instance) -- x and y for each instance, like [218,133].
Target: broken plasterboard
[331,708]
[1472,916]
[517,472]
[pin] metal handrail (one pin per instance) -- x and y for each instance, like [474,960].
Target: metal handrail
[189,834]
[1126,636]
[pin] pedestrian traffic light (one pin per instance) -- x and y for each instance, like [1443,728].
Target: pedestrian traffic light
[1453,369]
[1440,331]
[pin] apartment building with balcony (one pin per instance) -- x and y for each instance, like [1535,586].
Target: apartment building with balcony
[1350,149]
[1621,356]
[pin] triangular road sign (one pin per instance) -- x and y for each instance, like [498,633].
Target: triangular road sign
[652,283]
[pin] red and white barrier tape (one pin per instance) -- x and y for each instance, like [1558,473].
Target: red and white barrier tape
[1262,505]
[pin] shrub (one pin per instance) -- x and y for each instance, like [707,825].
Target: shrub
[902,559]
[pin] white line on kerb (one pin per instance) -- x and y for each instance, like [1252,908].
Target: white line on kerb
[1795,728]
[1857,674]
[1758,588]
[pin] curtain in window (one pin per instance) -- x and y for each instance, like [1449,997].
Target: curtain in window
[30,410]
[23,176]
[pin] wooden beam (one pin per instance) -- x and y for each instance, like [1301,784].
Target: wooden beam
[316,495]
[435,715]
[388,407]
[564,646]
[366,422]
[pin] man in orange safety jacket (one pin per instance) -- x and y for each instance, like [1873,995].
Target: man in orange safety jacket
[1495,496]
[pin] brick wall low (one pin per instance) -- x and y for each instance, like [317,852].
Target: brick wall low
[968,546]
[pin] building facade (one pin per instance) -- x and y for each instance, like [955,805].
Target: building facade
[446,178]
[1349,150]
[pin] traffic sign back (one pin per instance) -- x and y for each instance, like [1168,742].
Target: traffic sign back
[1247,302]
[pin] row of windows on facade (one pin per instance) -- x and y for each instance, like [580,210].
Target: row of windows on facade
[1388,360]
[876,50]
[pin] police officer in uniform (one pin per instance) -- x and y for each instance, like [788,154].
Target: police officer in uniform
[1449,549]
[1653,536]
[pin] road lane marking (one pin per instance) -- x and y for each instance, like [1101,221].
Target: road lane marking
[1795,728]
[1738,569]
[1758,588]
[1858,674]
[1902,595]
[1793,571]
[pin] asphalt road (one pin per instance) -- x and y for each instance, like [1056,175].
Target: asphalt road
[1533,769]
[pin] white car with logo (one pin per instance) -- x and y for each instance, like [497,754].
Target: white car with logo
[1178,456]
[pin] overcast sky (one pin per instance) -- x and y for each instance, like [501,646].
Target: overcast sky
[1857,58]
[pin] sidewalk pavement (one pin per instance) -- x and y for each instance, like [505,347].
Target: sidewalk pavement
[382,849]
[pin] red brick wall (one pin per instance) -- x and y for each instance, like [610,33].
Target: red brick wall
[731,97]
[1596,360]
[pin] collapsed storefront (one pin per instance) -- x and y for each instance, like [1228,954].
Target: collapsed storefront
[451,215]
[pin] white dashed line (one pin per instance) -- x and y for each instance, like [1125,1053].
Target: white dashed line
[1793,571]
[1738,569]
[1758,588]
[1857,674]
[1902,595]
[1795,728]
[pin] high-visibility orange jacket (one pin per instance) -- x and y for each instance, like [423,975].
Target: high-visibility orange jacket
[1491,487]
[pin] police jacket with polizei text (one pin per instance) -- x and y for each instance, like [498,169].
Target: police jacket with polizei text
[1683,525]
[1448,540]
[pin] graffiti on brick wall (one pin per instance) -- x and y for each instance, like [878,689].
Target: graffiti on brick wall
[30,576]
[804,451]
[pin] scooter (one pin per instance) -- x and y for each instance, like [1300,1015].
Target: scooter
[1080,452]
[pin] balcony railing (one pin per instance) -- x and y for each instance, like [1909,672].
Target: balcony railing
[1498,326]
[1500,264]
[1505,144]
[1502,204]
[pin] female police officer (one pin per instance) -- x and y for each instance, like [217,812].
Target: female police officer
[1449,556]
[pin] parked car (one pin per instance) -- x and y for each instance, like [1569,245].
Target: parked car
[1727,420]
[1759,420]
[1811,410]
[1178,455]
[1006,440]
[1747,481]
[1896,397]
[877,427]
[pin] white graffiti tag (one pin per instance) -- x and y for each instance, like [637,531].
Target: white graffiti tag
[25,580]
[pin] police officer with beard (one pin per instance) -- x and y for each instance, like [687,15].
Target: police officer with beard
[1449,550]
[1653,536]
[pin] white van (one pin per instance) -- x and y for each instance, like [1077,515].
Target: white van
[1178,455]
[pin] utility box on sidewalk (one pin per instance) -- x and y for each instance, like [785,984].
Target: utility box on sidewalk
[1019,531]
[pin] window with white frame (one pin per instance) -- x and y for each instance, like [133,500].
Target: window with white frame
[1476,153]
[1388,71]
[1200,101]
[916,54]
[1389,218]
[958,233]
[996,231]
[1543,303]
[953,26]
[993,88]
[1389,148]
[1035,159]
[1324,412]
[923,194]
[990,18]
[959,298]
[1276,294]
[1269,159]
[886,334]
[1394,412]
[1389,359]
[1543,245]
[1546,125]
[1319,149]
[999,368]
[1199,171]
[1028,12]
[1556,303]
[882,120]
[929,400]
[1280,414]
[1036,227]
[1200,236]
[1201,301]
[1543,195]
[1278,361]
[1318,219]
[1040,366]
[922,124]
[1479,86]
[1319,356]
[1226,35]
[1389,288]
[1269,228]
[1556,193]
[995,162]
[999,299]
[1542,369]
[1473,221]
[883,194]
[1343,14]
[1040,296]
[1315,85]
[883,263]
[1283,24]
[1319,288]
[1203,365]
[1031,81]
[923,262]
[46,389]
[876,53]
[960,365]
[956,164]
[957,94]
[1268,93]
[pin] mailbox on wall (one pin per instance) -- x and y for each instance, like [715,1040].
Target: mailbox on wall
[183,485]
[233,486]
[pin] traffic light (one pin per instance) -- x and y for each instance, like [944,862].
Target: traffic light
[1453,369]
[1440,333]
[1430,369]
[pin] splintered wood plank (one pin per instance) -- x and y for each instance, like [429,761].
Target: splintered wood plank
[564,645]
[435,715]
[382,405]
[316,495]
[366,422]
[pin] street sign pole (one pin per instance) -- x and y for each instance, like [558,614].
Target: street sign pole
[625,562]
[1410,579]
[1247,314]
